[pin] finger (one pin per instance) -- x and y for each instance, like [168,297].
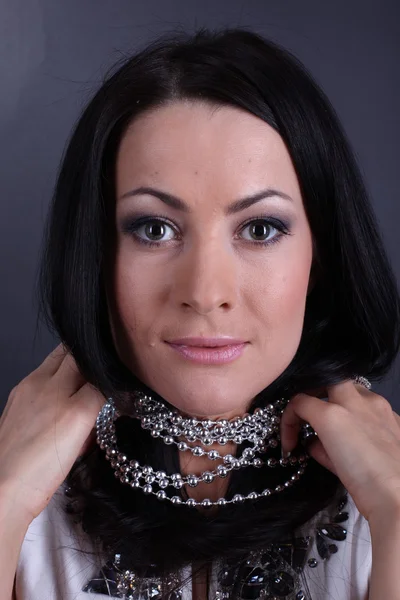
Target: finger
[397,419]
[92,397]
[343,393]
[301,409]
[316,450]
[68,378]
[53,361]
[89,443]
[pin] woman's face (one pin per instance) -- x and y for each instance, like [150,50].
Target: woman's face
[205,264]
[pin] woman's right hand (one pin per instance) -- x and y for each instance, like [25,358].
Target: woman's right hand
[48,421]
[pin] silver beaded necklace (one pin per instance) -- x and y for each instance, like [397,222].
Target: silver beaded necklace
[260,428]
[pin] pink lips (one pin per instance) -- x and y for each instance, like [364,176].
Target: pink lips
[211,351]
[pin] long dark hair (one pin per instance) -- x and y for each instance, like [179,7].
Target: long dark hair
[351,323]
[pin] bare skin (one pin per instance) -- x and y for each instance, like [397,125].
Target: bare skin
[206,277]
[210,275]
[47,423]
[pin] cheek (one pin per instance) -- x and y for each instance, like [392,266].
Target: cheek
[139,290]
[281,291]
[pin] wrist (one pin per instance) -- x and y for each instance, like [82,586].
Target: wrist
[12,508]
[385,517]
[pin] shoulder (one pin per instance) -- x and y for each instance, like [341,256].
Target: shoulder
[56,557]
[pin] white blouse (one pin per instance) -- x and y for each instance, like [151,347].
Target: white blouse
[51,567]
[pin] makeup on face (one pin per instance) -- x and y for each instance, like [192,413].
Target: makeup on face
[213,242]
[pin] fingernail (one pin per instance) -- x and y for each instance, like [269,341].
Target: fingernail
[285,454]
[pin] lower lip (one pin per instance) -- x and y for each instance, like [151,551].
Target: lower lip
[210,356]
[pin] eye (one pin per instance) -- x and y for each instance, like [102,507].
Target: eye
[151,231]
[258,231]
[155,230]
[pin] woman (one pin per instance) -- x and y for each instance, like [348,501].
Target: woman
[210,255]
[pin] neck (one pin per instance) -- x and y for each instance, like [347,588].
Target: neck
[196,465]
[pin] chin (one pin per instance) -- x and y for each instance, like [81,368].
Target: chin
[207,405]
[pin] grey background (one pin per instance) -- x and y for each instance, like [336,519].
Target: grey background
[52,56]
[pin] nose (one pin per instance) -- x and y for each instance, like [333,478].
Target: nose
[206,278]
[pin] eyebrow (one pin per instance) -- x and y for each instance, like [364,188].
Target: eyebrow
[179,204]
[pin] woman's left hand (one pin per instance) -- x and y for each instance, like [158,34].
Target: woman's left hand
[358,440]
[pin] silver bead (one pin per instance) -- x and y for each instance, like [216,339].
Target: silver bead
[163,483]
[198,451]
[183,446]
[176,419]
[222,471]
[221,501]
[147,489]
[135,484]
[178,484]
[257,462]
[228,458]
[147,470]
[161,475]
[176,500]
[238,498]
[208,477]
[218,430]
[155,434]
[266,492]
[191,502]
[213,454]
[192,480]
[207,441]
[134,464]
[176,476]
[173,430]
[247,453]
[150,479]
[252,496]
[206,503]
[168,440]
[161,495]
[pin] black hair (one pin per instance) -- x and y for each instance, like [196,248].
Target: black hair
[351,323]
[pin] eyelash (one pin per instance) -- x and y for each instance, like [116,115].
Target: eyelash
[132,226]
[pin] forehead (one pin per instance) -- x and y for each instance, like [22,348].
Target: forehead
[196,142]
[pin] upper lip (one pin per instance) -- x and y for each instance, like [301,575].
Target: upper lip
[207,341]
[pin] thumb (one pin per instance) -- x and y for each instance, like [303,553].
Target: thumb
[90,441]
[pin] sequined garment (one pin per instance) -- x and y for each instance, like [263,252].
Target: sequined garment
[277,573]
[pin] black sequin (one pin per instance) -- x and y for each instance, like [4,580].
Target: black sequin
[270,574]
